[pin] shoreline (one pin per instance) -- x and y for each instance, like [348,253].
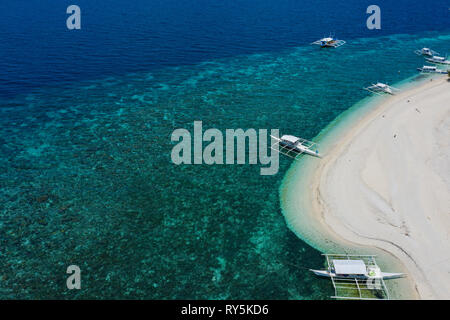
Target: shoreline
[315,194]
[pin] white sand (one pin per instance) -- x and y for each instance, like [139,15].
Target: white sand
[383,186]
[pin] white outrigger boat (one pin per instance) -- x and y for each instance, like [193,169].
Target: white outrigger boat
[431,69]
[294,147]
[426,52]
[356,276]
[329,42]
[380,88]
[438,60]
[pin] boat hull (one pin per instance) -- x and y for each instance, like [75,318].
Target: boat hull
[446,62]
[432,72]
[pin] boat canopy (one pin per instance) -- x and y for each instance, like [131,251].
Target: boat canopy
[349,266]
[289,138]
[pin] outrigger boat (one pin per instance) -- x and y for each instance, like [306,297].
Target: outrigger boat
[438,60]
[380,88]
[431,69]
[426,52]
[356,276]
[294,147]
[329,42]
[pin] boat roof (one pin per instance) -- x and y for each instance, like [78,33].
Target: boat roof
[429,67]
[381,85]
[349,266]
[289,138]
[438,58]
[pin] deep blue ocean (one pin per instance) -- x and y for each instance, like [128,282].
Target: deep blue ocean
[86,118]
[119,36]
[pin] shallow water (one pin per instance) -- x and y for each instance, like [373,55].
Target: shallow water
[86,176]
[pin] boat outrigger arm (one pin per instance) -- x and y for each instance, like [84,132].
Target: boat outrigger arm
[294,147]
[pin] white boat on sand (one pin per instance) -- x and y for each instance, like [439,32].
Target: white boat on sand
[356,276]
[294,147]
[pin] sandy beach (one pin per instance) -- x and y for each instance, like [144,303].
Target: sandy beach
[383,186]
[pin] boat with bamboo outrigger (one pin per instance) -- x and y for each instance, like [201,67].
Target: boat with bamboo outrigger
[329,42]
[426,52]
[438,60]
[431,70]
[294,147]
[356,277]
[380,88]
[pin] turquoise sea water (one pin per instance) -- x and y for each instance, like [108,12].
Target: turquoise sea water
[86,176]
